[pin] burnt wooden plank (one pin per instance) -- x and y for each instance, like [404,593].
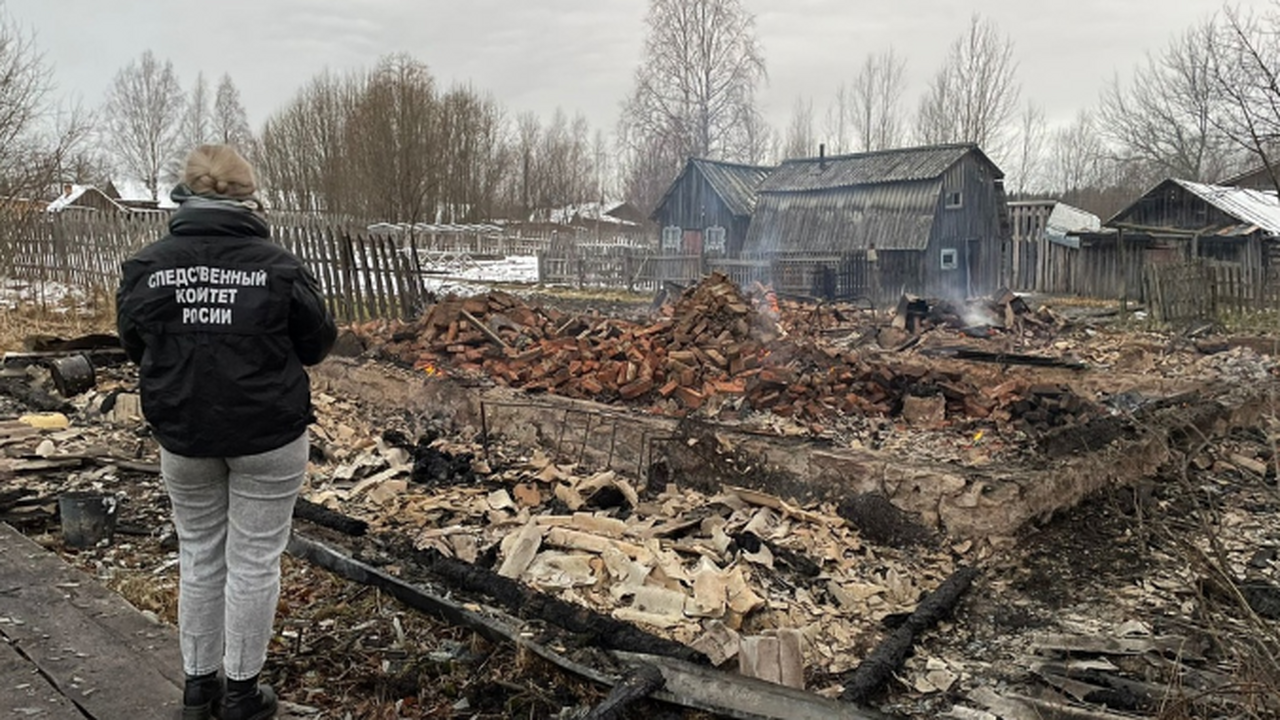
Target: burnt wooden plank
[85,638]
[25,693]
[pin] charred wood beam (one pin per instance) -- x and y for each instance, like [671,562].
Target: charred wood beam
[323,516]
[875,671]
[643,681]
[523,601]
[1004,358]
[11,498]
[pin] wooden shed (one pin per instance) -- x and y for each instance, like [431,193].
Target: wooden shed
[926,220]
[707,209]
[1215,222]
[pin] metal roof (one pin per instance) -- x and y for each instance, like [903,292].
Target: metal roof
[882,166]
[735,184]
[892,217]
[1254,207]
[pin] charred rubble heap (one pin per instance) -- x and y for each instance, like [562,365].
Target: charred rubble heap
[720,353]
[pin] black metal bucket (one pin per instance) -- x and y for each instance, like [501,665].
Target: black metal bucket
[72,375]
[88,518]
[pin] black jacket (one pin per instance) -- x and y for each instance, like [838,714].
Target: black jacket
[222,321]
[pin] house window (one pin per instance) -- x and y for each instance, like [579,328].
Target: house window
[714,240]
[950,259]
[955,199]
[671,237]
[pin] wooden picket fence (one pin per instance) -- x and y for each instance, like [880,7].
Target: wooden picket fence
[622,267]
[1209,290]
[364,276]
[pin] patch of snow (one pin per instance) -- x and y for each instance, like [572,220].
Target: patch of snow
[135,190]
[474,277]
[68,198]
[18,293]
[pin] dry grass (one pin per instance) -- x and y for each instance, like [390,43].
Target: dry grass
[67,319]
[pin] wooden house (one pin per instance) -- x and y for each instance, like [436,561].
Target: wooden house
[707,209]
[924,220]
[85,199]
[1176,221]
[1180,219]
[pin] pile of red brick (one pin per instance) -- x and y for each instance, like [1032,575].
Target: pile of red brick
[713,343]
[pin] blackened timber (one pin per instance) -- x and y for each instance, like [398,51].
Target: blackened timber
[685,684]
[525,602]
[643,681]
[875,671]
[1005,358]
[323,516]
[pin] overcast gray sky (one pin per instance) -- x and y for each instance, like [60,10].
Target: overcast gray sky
[581,54]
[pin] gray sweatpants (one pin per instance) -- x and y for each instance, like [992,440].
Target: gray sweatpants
[233,517]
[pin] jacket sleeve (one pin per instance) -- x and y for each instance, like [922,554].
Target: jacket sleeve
[130,336]
[311,327]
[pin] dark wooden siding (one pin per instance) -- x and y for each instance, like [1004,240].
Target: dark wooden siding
[694,205]
[1172,206]
[973,230]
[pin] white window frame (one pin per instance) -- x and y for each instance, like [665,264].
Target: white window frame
[671,237]
[950,259]
[959,200]
[713,240]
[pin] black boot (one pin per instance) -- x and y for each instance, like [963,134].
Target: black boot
[247,700]
[201,697]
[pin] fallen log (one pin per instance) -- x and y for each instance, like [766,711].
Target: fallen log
[685,684]
[323,516]
[875,671]
[643,681]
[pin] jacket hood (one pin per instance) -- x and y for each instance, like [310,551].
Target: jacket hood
[215,215]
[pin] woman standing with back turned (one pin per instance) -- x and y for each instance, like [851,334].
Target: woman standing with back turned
[222,322]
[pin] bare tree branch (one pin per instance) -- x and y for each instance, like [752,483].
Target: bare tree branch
[694,90]
[974,95]
[144,111]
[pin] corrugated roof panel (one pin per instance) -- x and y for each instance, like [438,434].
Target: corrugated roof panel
[1252,206]
[884,166]
[736,184]
[892,217]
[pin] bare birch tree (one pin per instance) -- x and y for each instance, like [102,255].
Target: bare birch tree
[759,139]
[800,135]
[143,112]
[37,139]
[837,130]
[197,121]
[1162,119]
[1030,153]
[1245,53]
[694,88]
[230,123]
[1077,155]
[876,97]
[302,156]
[974,95]
[393,138]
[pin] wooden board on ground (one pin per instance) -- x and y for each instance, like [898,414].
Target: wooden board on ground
[25,693]
[102,653]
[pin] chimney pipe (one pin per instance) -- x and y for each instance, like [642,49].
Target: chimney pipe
[822,156]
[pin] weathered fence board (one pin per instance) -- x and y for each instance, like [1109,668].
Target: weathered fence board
[1208,289]
[363,276]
